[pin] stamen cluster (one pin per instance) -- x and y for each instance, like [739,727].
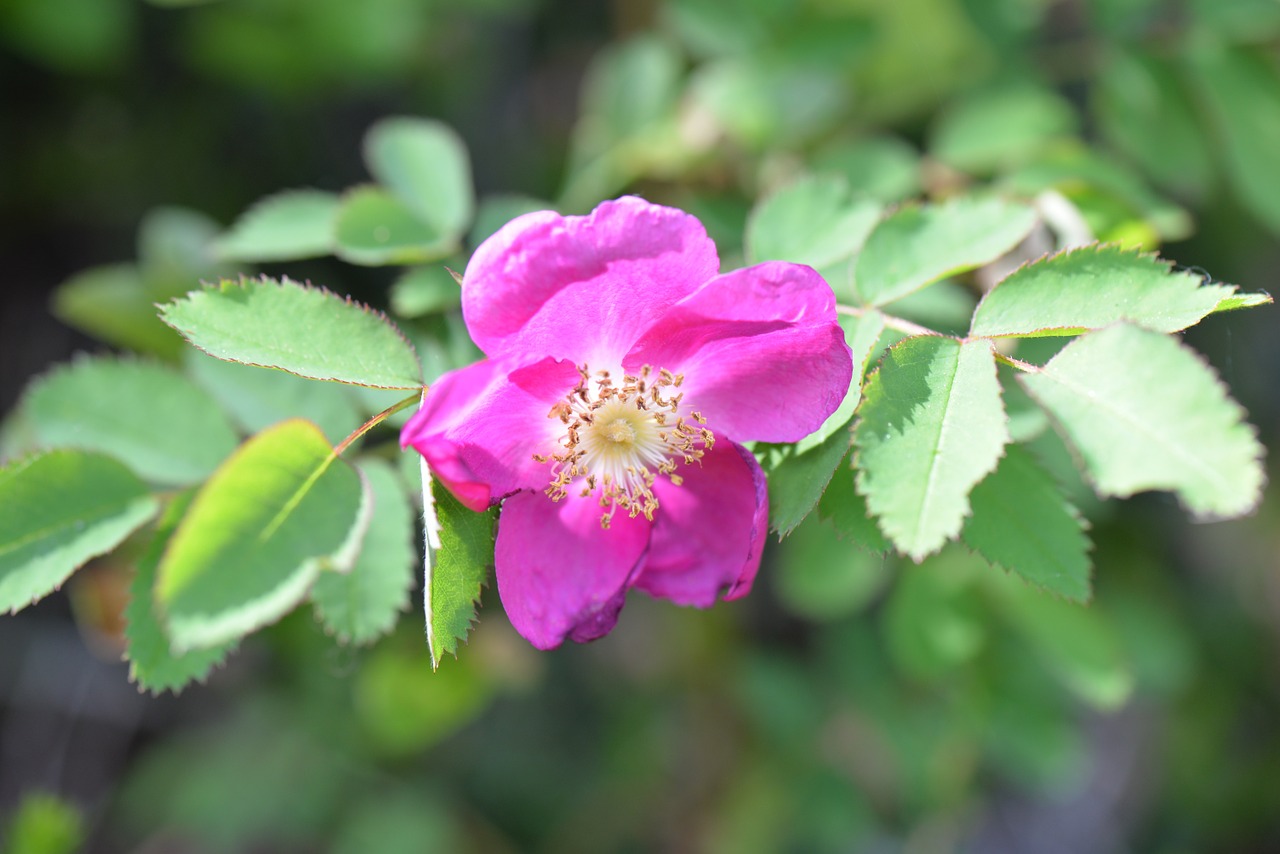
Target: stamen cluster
[619,438]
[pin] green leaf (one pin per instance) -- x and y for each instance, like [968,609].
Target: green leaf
[110,304]
[456,570]
[44,824]
[256,535]
[1144,412]
[153,666]
[175,248]
[797,479]
[1142,107]
[1022,522]
[494,212]
[934,620]
[256,398]
[283,227]
[1077,643]
[814,221]
[1238,301]
[425,165]
[930,427]
[846,510]
[861,333]
[361,605]
[917,246]
[880,167]
[148,416]
[991,129]
[62,508]
[297,328]
[425,290]
[375,228]
[820,578]
[1071,292]
[1242,92]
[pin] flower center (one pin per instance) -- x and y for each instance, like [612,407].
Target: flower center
[620,438]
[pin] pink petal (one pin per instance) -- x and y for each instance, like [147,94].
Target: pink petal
[559,573]
[708,533]
[480,427]
[762,354]
[583,288]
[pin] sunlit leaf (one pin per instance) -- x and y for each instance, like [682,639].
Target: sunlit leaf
[917,246]
[361,605]
[930,427]
[1071,292]
[62,508]
[424,164]
[284,227]
[153,666]
[1021,521]
[300,329]
[456,571]
[146,415]
[254,539]
[1144,412]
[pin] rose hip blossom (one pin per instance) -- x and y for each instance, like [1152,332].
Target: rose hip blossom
[622,370]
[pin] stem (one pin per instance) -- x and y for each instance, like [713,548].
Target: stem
[376,420]
[890,321]
[1026,367]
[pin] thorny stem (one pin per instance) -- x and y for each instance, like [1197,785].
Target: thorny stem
[376,420]
[890,321]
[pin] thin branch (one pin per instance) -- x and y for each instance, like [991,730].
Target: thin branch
[890,321]
[376,420]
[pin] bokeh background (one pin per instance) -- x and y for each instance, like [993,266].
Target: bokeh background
[851,703]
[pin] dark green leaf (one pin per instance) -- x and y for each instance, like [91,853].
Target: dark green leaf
[456,570]
[797,478]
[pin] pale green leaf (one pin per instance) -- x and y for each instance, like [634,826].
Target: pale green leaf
[146,415]
[1068,293]
[1021,521]
[861,333]
[110,304]
[283,227]
[425,290]
[1144,412]
[456,571]
[797,479]
[930,427]
[494,212]
[256,535]
[375,228]
[880,167]
[361,605]
[918,245]
[300,329]
[814,221]
[256,398]
[62,508]
[153,666]
[424,164]
[1077,643]
[175,249]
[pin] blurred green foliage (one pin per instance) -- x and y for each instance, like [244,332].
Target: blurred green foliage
[855,701]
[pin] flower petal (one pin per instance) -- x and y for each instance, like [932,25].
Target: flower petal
[709,532]
[762,354]
[583,288]
[480,427]
[559,573]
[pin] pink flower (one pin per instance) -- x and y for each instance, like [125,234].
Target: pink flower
[622,370]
